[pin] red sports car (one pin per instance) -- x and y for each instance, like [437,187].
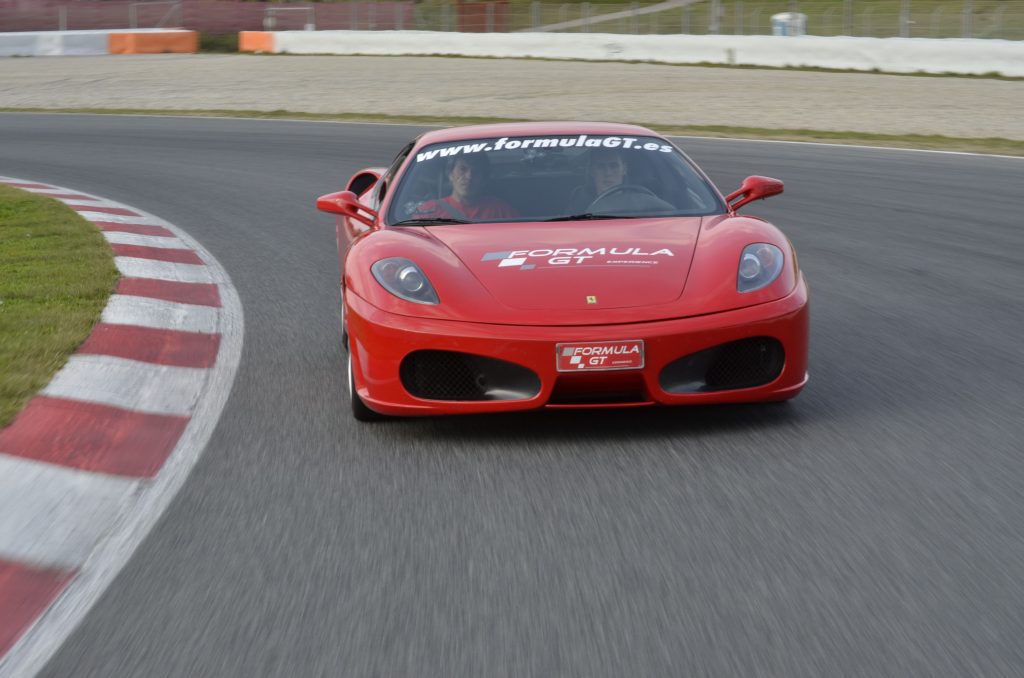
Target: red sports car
[519,266]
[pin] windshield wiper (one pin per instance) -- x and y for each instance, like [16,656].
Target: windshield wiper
[432,221]
[590,216]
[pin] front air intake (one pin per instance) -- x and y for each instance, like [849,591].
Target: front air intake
[448,375]
[738,364]
[599,388]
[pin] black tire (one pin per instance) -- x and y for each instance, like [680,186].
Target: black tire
[360,412]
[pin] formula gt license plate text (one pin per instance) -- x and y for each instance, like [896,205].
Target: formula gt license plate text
[588,356]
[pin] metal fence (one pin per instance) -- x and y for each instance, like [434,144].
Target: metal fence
[43,15]
[877,18]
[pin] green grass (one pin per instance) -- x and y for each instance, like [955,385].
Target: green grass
[56,272]
[993,145]
[218,42]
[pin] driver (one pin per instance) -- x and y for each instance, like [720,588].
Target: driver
[468,200]
[606,169]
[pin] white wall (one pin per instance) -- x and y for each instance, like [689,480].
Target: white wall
[53,43]
[65,43]
[894,55]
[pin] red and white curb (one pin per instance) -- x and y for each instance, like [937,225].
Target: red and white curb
[93,460]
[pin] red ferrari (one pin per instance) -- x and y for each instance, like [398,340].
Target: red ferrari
[520,266]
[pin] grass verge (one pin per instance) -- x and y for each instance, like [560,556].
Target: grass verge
[57,272]
[990,145]
[218,43]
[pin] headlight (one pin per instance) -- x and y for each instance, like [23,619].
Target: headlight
[760,265]
[405,280]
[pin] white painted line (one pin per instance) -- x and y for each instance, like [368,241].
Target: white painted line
[895,149]
[163,241]
[129,384]
[78,202]
[159,314]
[121,218]
[300,121]
[47,187]
[45,191]
[134,267]
[85,198]
[53,516]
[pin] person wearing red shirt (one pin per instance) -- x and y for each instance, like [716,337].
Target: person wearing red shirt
[468,200]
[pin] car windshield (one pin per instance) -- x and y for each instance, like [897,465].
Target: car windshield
[552,178]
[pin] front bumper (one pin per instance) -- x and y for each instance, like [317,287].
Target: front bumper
[380,341]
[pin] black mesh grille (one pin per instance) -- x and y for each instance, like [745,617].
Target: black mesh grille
[441,375]
[739,364]
[447,375]
[746,363]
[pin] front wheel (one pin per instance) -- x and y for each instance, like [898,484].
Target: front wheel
[359,409]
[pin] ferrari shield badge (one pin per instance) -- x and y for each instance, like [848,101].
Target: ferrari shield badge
[591,299]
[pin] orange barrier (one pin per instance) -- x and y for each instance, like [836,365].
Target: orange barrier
[256,41]
[154,42]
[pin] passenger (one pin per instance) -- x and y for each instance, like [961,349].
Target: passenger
[468,200]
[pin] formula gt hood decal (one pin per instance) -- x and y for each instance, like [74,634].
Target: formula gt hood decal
[578,265]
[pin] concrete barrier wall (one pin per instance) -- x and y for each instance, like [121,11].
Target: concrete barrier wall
[53,43]
[93,43]
[894,55]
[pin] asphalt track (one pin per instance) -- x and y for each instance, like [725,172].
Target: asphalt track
[872,527]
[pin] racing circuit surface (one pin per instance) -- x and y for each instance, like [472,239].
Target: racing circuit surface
[874,526]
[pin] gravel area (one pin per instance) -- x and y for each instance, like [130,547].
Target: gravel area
[644,93]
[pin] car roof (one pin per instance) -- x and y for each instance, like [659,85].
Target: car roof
[525,129]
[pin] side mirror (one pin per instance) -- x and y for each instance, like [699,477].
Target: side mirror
[347,204]
[754,188]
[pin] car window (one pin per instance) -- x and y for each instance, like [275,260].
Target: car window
[389,174]
[548,178]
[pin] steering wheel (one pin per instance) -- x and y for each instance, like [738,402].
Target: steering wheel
[623,189]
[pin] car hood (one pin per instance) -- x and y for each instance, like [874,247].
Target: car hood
[578,266]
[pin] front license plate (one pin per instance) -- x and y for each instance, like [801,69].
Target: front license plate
[594,356]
